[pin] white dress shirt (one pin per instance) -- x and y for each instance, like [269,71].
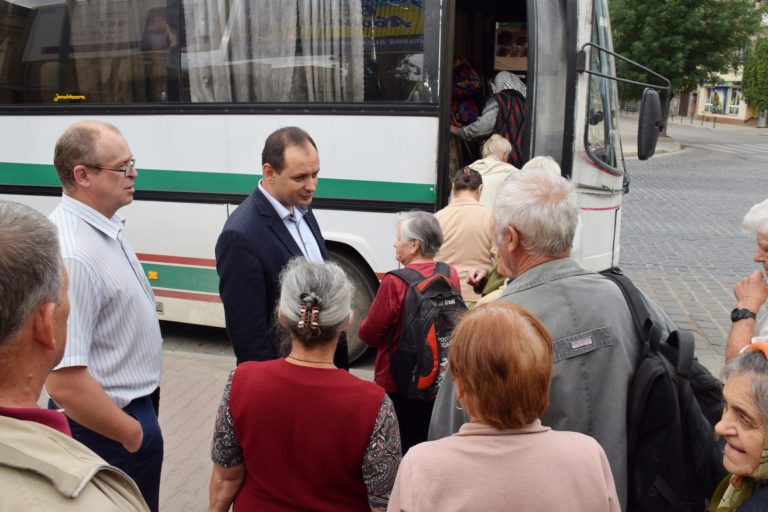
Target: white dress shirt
[299,230]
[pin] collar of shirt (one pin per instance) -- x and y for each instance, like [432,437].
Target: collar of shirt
[53,419]
[113,227]
[283,212]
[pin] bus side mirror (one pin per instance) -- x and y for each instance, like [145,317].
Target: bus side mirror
[649,124]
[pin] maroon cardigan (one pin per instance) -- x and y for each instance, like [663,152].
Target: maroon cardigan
[303,432]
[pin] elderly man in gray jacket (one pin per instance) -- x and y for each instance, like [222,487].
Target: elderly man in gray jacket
[596,348]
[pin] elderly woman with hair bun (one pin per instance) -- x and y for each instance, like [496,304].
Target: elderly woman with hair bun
[298,433]
[419,238]
[743,428]
[467,225]
[504,459]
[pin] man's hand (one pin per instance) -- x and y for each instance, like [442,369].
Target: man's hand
[476,276]
[454,129]
[135,438]
[751,292]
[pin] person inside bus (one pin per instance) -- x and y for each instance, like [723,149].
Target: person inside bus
[750,318]
[503,458]
[272,225]
[504,113]
[297,432]
[419,238]
[493,167]
[467,229]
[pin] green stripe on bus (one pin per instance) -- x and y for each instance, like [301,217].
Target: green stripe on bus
[227,183]
[190,279]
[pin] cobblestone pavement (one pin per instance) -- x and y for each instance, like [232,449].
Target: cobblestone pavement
[682,240]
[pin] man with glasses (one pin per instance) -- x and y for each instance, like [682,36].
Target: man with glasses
[274,224]
[108,380]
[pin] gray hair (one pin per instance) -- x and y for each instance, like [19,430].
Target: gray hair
[323,287]
[496,144]
[541,207]
[545,163]
[755,365]
[756,219]
[30,265]
[425,228]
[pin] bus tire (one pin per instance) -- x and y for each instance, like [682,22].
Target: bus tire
[364,289]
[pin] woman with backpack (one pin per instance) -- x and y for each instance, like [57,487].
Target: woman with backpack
[504,458]
[419,238]
[297,433]
[743,428]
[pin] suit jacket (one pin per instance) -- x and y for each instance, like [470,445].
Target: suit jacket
[251,251]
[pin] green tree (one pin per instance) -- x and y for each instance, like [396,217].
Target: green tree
[754,81]
[688,41]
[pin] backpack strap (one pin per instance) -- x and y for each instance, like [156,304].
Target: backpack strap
[685,349]
[408,275]
[646,328]
[443,269]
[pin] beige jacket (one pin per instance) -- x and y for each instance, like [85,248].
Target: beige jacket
[482,468]
[467,240]
[42,469]
[494,172]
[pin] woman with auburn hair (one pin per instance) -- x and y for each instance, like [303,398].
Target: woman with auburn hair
[504,459]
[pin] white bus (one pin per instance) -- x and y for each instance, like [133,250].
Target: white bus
[197,85]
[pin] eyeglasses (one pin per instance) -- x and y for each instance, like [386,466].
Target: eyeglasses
[130,166]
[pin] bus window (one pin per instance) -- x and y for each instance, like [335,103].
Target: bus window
[218,51]
[602,131]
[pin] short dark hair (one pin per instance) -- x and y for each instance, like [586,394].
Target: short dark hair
[274,148]
[467,179]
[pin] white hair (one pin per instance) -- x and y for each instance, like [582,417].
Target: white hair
[542,208]
[425,228]
[546,163]
[496,145]
[756,219]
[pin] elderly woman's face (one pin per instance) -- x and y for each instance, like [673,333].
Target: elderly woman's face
[742,427]
[761,253]
[405,250]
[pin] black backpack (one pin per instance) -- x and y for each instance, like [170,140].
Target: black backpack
[430,311]
[675,462]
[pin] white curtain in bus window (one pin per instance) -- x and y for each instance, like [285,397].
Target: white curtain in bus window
[274,50]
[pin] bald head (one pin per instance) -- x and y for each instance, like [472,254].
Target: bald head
[77,145]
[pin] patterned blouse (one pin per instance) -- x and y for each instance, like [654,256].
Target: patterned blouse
[380,461]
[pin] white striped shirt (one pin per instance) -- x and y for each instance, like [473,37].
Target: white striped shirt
[113,328]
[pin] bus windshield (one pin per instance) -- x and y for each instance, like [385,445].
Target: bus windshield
[213,51]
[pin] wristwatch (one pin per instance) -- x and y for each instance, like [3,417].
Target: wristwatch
[740,314]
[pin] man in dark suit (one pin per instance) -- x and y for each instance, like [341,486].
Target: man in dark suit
[273,224]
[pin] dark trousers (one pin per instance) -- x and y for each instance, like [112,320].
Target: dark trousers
[413,417]
[145,465]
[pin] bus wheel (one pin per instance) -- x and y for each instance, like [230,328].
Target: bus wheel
[362,297]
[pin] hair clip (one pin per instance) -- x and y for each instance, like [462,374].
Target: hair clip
[313,323]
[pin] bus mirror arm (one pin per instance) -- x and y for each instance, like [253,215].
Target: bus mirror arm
[651,119]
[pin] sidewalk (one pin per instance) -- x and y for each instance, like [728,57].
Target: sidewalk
[628,129]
